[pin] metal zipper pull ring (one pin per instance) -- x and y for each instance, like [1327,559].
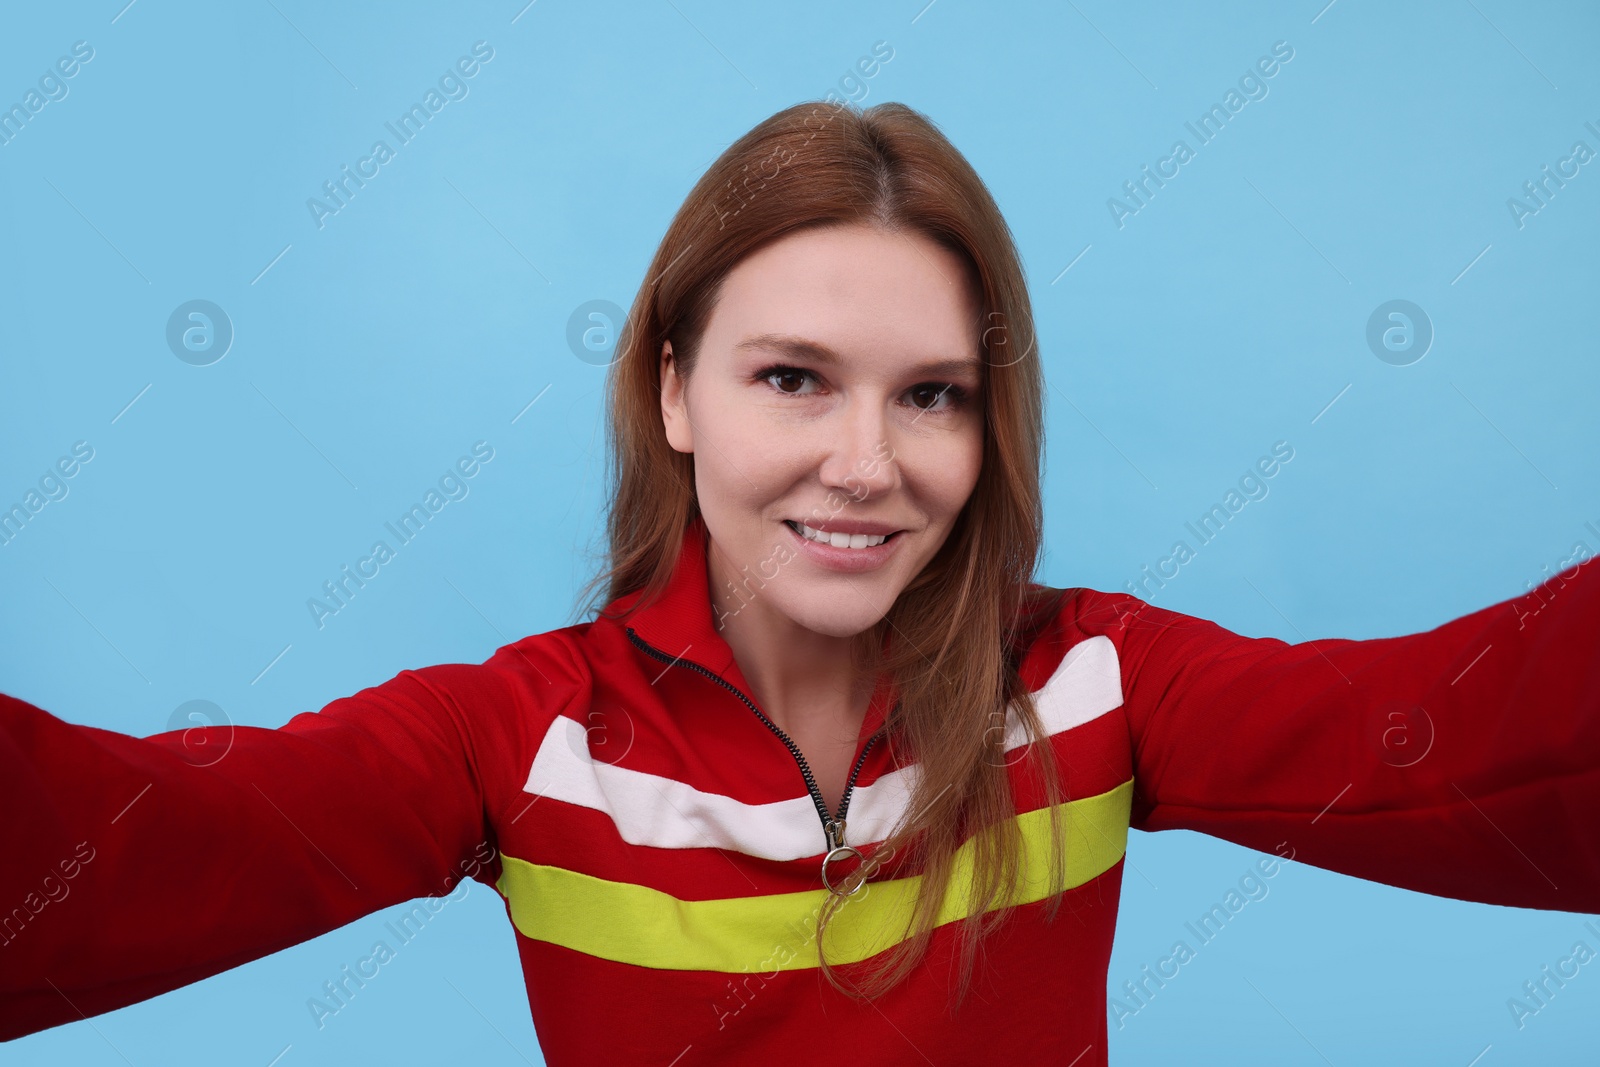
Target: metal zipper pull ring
[833,829]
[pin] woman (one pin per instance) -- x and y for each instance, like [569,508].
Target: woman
[827,766]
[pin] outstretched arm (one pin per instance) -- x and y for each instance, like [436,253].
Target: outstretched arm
[136,865]
[1462,762]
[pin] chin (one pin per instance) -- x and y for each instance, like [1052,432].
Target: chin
[844,616]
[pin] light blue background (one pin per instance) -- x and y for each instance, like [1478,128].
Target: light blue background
[1224,316]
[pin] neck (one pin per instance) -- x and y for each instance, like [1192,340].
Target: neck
[802,679]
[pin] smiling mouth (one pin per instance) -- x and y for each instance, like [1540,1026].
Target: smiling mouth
[840,540]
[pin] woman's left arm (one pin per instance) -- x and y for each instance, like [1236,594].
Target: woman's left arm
[1463,761]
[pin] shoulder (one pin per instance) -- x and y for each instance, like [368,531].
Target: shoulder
[556,665]
[1073,613]
[1133,628]
[522,682]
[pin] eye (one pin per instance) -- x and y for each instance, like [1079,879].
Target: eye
[938,398]
[792,374]
[934,392]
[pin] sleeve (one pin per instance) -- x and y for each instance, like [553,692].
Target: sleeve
[1462,762]
[136,865]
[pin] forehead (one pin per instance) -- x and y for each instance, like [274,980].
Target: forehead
[858,288]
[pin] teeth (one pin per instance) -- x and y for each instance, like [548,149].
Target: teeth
[840,540]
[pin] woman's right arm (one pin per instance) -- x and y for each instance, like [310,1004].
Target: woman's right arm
[133,865]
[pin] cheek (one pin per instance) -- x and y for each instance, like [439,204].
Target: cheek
[728,445]
[745,467]
[945,471]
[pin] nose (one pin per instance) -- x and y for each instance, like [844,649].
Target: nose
[860,460]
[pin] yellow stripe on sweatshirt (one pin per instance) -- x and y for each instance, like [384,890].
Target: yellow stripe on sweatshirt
[635,924]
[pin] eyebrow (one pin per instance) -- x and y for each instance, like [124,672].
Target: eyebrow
[805,348]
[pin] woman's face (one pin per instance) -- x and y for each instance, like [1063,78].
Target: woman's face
[837,385]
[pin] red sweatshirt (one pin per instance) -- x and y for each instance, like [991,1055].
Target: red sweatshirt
[659,849]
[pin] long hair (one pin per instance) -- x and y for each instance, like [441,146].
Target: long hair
[954,633]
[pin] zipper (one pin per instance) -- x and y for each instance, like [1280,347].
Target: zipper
[833,826]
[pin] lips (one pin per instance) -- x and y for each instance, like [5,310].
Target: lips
[844,560]
[855,536]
